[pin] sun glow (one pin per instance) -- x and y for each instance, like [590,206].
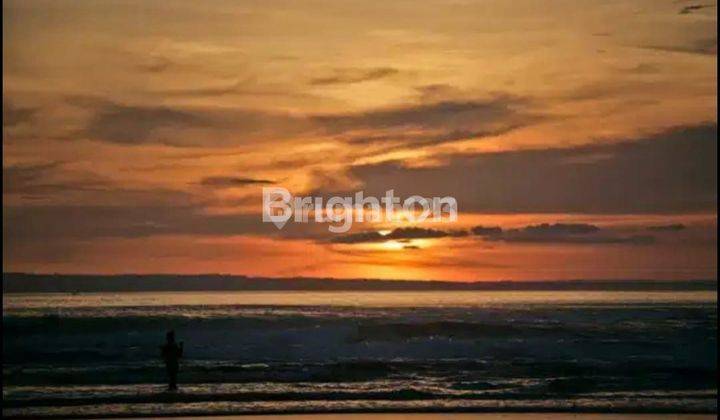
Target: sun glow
[392,246]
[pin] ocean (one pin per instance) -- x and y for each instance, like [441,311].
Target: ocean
[97,354]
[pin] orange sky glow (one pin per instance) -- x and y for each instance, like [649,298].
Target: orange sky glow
[138,136]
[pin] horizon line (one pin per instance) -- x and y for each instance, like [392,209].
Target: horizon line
[79,283]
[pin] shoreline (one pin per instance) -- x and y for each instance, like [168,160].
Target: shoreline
[417,412]
[431,416]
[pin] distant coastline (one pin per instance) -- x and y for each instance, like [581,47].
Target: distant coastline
[86,283]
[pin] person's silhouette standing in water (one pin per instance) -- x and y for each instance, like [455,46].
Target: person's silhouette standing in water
[171,353]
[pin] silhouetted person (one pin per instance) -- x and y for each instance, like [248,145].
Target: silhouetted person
[171,352]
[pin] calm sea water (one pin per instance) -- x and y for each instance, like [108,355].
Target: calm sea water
[97,354]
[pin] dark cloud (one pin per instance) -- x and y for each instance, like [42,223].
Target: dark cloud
[570,233]
[233,88]
[526,237]
[675,227]
[348,76]
[436,92]
[41,180]
[487,230]
[116,212]
[419,233]
[418,124]
[245,87]
[546,229]
[181,126]
[617,89]
[574,233]
[431,123]
[398,234]
[705,46]
[230,181]
[360,237]
[15,115]
[670,172]
[136,124]
[32,230]
[75,222]
[693,8]
[644,68]
[156,64]
[446,114]
[18,178]
[428,139]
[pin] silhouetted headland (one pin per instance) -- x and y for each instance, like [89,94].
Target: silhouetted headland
[71,283]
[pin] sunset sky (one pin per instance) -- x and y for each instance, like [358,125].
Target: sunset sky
[138,136]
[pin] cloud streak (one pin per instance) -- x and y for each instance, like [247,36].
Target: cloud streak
[15,115]
[545,233]
[694,8]
[444,114]
[398,234]
[675,227]
[704,46]
[231,181]
[350,76]
[409,124]
[568,233]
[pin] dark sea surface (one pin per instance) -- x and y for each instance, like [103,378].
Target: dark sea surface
[255,352]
